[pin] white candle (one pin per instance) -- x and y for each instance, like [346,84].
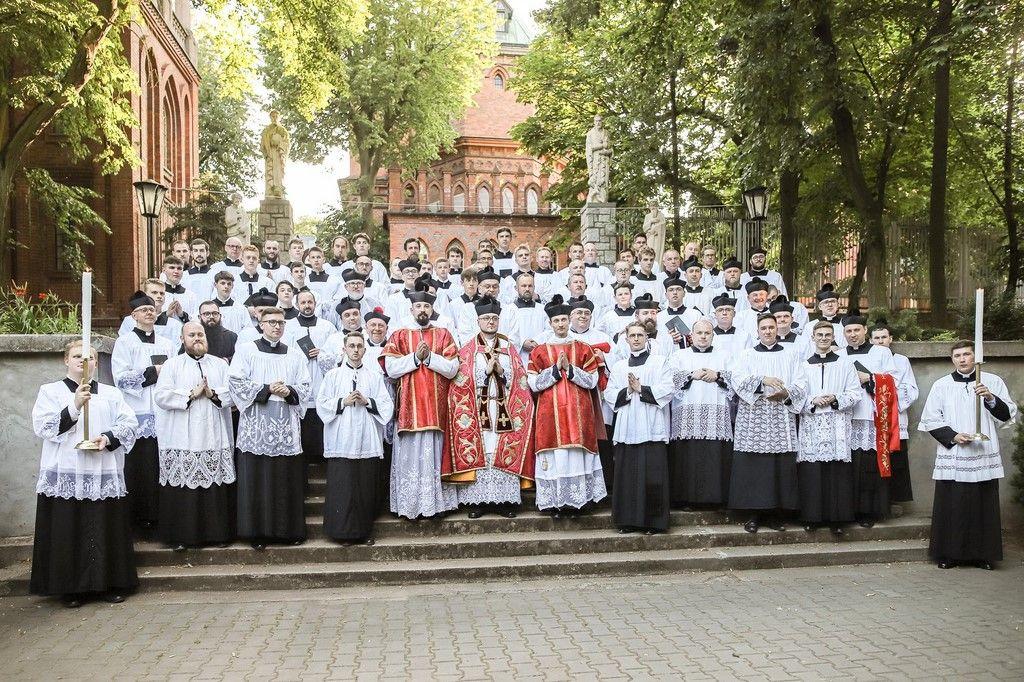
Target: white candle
[86,311]
[979,312]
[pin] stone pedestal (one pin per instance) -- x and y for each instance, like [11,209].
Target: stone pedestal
[275,221]
[597,224]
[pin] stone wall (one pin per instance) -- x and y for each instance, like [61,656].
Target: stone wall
[27,362]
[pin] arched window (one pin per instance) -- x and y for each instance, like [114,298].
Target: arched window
[433,198]
[459,199]
[166,139]
[508,200]
[532,201]
[483,199]
[424,252]
[152,118]
[455,244]
[499,81]
[409,198]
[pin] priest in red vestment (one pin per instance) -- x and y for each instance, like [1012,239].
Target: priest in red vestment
[563,372]
[488,453]
[422,359]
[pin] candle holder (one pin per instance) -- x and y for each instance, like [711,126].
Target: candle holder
[978,435]
[87,443]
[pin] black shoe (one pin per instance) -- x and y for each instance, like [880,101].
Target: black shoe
[368,541]
[259,546]
[71,601]
[810,527]
[838,530]
[557,514]
[866,522]
[776,525]
[750,526]
[946,564]
[179,548]
[475,514]
[509,513]
[113,597]
[650,531]
[987,565]
[298,541]
[222,545]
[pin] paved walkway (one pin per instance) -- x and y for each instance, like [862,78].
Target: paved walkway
[866,622]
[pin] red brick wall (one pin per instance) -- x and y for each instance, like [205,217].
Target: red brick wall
[120,259]
[438,230]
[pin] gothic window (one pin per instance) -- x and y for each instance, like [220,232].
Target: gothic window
[499,82]
[459,199]
[434,199]
[532,201]
[508,200]
[483,199]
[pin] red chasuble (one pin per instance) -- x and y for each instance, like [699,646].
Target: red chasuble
[887,422]
[423,393]
[464,447]
[565,414]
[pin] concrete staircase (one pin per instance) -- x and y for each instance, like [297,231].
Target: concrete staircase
[533,545]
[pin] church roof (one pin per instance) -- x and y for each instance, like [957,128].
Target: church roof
[512,32]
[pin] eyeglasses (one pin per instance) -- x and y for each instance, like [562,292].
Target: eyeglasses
[210,313]
[273,323]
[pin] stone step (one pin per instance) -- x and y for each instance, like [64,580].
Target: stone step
[521,544]
[348,574]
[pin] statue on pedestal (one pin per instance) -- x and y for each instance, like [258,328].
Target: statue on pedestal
[599,158]
[654,227]
[236,219]
[274,143]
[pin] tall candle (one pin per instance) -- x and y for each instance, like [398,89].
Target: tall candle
[979,312]
[86,311]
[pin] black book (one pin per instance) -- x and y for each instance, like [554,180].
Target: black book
[676,322]
[306,344]
[157,359]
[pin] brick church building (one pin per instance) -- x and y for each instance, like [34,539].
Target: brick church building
[162,53]
[485,182]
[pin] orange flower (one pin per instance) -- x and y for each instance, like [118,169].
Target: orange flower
[42,296]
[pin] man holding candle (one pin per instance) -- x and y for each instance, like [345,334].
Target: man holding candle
[83,540]
[966,525]
[136,363]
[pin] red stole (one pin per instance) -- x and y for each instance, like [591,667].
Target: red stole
[423,393]
[887,422]
[463,447]
[567,415]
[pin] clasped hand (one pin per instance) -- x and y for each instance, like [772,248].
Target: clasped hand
[355,398]
[280,389]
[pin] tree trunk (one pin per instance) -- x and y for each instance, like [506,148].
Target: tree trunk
[858,278]
[789,197]
[1009,207]
[367,179]
[876,261]
[674,126]
[940,166]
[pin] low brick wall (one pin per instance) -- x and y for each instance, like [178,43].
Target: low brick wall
[27,362]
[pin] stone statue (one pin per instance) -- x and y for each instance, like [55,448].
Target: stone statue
[654,227]
[274,144]
[236,219]
[599,157]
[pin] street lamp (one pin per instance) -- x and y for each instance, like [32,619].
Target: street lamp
[151,201]
[755,200]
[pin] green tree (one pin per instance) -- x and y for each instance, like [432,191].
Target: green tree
[385,78]
[202,216]
[62,67]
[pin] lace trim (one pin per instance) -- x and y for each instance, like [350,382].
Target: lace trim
[262,432]
[74,486]
[146,427]
[131,381]
[492,486]
[572,491]
[824,438]
[764,427]
[703,422]
[862,434]
[196,469]
[416,488]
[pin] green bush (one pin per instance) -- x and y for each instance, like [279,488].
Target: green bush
[1017,457]
[903,323]
[45,313]
[1004,319]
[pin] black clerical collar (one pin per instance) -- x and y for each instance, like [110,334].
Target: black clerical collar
[502,254]
[455,271]
[224,304]
[712,271]
[638,359]
[373,344]
[397,280]
[694,290]
[591,265]
[232,263]
[174,288]
[145,337]
[646,278]
[544,271]
[628,312]
[759,312]
[94,385]
[349,365]
[306,320]
[757,273]
[735,288]
[469,299]
[197,359]
[776,347]
[434,316]
[822,359]
[199,270]
[675,311]
[246,277]
[698,350]
[669,274]
[447,284]
[789,338]
[834,319]
[276,348]
[290,313]
[859,350]
[270,265]
[719,330]
[520,303]
[315,276]
[161,319]
[960,378]
[335,263]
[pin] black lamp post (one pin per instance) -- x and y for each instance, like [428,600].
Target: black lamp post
[755,200]
[151,201]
